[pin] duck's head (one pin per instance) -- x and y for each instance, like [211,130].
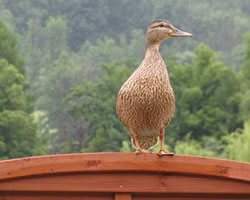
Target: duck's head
[160,30]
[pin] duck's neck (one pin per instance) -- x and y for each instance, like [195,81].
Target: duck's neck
[152,53]
[152,46]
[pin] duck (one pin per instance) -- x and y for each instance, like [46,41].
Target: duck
[146,101]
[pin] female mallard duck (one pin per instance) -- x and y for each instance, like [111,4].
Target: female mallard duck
[146,102]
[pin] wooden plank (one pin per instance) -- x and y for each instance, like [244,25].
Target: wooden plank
[127,183]
[127,162]
[105,196]
[55,196]
[123,196]
[192,198]
[156,196]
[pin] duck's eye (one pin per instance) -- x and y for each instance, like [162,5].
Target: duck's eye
[161,25]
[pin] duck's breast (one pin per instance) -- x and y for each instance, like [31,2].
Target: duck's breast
[146,101]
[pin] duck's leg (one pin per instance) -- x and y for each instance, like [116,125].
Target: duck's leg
[162,151]
[137,146]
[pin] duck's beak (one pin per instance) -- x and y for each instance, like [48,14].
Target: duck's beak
[178,33]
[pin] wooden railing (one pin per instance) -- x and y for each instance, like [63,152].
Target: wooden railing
[123,176]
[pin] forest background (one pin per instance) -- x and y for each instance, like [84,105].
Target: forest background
[62,64]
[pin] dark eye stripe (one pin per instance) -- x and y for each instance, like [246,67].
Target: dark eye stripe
[160,25]
[154,26]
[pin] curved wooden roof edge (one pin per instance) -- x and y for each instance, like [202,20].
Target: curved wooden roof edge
[127,162]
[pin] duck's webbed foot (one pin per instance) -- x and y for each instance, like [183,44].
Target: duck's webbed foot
[138,152]
[163,153]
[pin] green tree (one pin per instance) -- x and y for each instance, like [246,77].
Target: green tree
[107,50]
[18,131]
[95,103]
[208,15]
[207,98]
[193,147]
[86,19]
[56,30]
[9,52]
[43,45]
[238,144]
[34,50]
[6,14]
[18,137]
[245,77]
[64,134]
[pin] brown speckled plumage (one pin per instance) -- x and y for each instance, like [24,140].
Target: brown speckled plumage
[146,101]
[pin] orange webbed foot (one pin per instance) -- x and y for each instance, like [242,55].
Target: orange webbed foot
[138,152]
[163,153]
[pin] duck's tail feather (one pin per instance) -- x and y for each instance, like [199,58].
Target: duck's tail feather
[146,142]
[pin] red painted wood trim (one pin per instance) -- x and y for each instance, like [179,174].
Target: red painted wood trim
[133,183]
[127,162]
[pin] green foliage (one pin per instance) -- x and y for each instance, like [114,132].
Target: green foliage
[6,15]
[17,128]
[96,102]
[108,50]
[17,136]
[55,33]
[192,147]
[238,144]
[206,146]
[245,77]
[44,45]
[18,131]
[126,146]
[8,43]
[67,44]
[91,20]
[11,93]
[220,24]
[58,125]
[246,64]
[207,97]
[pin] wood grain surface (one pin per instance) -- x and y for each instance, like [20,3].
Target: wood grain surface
[123,176]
